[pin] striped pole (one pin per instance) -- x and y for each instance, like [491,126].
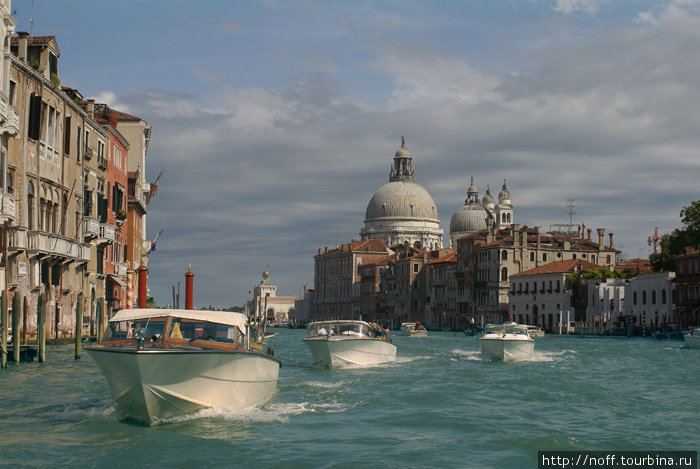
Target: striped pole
[129,288]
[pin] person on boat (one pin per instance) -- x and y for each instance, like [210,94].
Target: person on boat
[510,321]
[418,325]
[322,331]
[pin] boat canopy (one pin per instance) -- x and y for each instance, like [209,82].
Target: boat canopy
[219,317]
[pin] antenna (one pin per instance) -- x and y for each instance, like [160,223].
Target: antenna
[31,21]
[570,205]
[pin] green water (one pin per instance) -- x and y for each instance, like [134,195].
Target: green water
[440,406]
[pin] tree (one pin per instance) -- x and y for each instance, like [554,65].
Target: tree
[675,243]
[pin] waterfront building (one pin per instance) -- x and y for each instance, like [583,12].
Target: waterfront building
[650,301]
[46,250]
[472,216]
[441,287]
[303,307]
[402,211]
[337,278]
[687,288]
[605,306]
[487,259]
[540,296]
[275,309]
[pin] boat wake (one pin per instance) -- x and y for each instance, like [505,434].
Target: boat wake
[401,360]
[538,356]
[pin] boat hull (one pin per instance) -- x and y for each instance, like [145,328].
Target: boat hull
[692,341]
[349,351]
[506,349]
[149,386]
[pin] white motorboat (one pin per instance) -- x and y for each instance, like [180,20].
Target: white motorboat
[692,338]
[160,363]
[507,342]
[413,329]
[349,343]
[534,331]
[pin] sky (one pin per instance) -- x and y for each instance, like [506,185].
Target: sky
[276,121]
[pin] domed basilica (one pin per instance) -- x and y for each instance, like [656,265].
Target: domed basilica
[403,212]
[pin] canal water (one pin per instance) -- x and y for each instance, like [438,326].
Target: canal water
[440,406]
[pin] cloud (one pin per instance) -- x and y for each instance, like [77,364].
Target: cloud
[261,175]
[571,6]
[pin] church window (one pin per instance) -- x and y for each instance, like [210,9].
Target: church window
[504,274]
[504,255]
[509,218]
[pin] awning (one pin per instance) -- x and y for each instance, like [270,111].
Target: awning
[118,280]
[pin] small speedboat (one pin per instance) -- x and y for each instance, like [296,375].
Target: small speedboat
[413,329]
[161,363]
[692,339]
[534,331]
[507,342]
[349,343]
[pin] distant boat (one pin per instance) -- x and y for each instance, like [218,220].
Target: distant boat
[413,329]
[692,339]
[356,343]
[161,363]
[506,342]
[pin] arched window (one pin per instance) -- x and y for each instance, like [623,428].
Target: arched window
[644,297]
[544,257]
[509,218]
[532,257]
[504,274]
[634,298]
[574,256]
[663,297]
[653,297]
[30,205]
[504,255]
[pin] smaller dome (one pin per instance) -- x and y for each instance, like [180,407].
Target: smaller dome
[504,194]
[488,198]
[468,219]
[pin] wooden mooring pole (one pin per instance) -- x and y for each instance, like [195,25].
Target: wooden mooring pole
[15,328]
[41,328]
[3,324]
[78,325]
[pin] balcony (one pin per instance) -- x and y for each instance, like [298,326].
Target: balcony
[106,234]
[91,228]
[7,207]
[16,240]
[88,153]
[3,106]
[101,162]
[43,244]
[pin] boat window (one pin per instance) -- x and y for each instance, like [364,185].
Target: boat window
[119,330]
[351,329]
[194,330]
[147,328]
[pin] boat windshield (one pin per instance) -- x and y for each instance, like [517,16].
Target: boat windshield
[359,330]
[124,330]
[196,330]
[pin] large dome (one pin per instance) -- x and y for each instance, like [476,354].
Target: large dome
[401,200]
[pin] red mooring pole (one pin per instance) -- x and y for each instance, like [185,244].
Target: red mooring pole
[142,272]
[189,283]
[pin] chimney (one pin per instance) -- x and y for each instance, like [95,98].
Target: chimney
[319,251]
[325,250]
[91,108]
[524,243]
[515,229]
[611,239]
[539,239]
[601,236]
[489,230]
[590,236]
[22,45]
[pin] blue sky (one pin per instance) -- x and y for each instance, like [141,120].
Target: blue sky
[276,120]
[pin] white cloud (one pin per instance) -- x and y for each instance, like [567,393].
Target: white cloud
[571,6]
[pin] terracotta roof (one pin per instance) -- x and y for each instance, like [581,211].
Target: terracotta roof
[559,267]
[451,256]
